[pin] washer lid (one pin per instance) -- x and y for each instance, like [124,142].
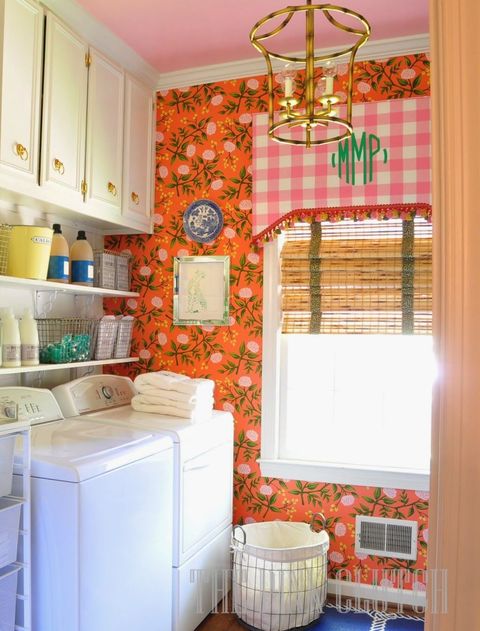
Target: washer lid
[205,435]
[76,450]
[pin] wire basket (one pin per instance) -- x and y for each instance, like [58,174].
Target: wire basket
[106,338]
[65,340]
[279,574]
[122,272]
[105,268]
[124,337]
[5,233]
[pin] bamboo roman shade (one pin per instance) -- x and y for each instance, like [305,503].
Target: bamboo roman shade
[357,277]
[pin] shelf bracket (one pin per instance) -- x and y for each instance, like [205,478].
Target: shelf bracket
[32,379]
[84,304]
[44,301]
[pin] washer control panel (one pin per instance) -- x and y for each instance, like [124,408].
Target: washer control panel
[93,394]
[34,405]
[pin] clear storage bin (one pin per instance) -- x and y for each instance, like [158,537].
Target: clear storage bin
[106,337]
[279,574]
[7,445]
[105,269]
[124,337]
[9,525]
[122,272]
[8,597]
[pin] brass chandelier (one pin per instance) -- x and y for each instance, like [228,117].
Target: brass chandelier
[317,115]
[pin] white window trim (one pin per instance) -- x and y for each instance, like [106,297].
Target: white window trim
[271,465]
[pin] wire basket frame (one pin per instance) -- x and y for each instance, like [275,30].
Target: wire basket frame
[123,271]
[277,589]
[65,340]
[105,268]
[124,337]
[106,338]
[5,233]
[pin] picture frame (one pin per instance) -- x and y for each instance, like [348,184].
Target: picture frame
[201,290]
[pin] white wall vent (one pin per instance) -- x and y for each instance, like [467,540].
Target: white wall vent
[395,538]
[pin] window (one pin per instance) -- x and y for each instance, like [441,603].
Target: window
[349,402]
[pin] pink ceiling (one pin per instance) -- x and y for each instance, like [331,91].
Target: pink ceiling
[176,34]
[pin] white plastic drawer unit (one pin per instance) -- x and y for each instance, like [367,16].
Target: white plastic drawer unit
[206,498]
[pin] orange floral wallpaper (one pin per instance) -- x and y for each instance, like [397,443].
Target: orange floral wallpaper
[204,150]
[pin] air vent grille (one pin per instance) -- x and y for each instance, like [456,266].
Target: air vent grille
[396,538]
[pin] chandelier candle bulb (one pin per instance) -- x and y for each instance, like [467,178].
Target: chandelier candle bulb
[330,72]
[288,75]
[321,88]
[288,87]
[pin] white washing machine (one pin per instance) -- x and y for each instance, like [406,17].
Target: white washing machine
[101,521]
[203,486]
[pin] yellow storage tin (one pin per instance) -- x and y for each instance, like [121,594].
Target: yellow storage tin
[29,252]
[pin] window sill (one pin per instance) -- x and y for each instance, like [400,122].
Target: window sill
[345,474]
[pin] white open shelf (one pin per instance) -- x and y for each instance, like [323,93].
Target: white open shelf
[42,367]
[45,285]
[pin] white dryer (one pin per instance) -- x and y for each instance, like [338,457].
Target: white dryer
[101,521]
[203,488]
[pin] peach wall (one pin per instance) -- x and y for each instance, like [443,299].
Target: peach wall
[456,427]
[204,150]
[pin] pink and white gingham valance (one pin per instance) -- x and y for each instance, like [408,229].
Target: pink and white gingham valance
[387,164]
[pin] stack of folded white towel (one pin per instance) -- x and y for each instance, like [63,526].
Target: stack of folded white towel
[171,394]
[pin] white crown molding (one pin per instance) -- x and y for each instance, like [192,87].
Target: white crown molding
[380,49]
[100,37]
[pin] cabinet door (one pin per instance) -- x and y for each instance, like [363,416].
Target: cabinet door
[64,111]
[206,500]
[20,66]
[138,153]
[104,137]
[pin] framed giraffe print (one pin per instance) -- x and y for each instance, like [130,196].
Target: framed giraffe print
[201,286]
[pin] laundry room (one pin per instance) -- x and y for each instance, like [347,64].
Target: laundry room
[239,356]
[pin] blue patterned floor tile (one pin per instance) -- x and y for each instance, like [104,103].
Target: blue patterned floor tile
[404,625]
[333,620]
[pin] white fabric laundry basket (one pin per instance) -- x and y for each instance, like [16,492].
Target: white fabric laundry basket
[279,574]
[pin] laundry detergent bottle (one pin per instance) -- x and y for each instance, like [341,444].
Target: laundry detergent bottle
[59,263]
[11,340]
[81,258]
[29,339]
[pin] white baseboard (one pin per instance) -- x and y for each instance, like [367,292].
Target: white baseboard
[377,593]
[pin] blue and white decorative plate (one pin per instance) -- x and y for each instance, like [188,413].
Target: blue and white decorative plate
[203,221]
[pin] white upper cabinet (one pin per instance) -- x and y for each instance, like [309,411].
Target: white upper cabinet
[104,161]
[138,152]
[94,159]
[21,24]
[64,112]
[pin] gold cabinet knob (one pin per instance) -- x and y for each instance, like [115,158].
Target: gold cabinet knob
[58,166]
[112,188]
[135,198]
[21,151]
